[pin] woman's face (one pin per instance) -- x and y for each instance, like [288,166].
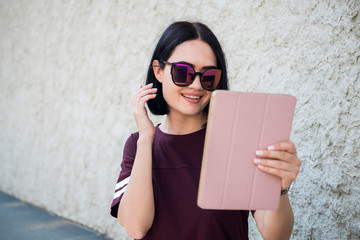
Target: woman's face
[190,100]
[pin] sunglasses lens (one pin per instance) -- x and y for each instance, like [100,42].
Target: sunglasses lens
[182,74]
[211,79]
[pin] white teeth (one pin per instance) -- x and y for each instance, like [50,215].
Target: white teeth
[193,97]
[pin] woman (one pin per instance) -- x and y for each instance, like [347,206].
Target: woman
[155,196]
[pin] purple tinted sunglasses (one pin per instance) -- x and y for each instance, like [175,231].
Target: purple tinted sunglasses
[184,75]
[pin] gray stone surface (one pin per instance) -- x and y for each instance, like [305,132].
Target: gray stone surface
[19,221]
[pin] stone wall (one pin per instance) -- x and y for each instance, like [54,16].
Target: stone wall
[68,68]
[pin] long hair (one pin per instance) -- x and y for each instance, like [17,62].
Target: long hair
[174,35]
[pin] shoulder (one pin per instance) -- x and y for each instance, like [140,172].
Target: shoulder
[130,146]
[132,139]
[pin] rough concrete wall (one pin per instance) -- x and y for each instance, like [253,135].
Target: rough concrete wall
[67,70]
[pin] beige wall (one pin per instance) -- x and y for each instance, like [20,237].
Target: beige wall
[67,70]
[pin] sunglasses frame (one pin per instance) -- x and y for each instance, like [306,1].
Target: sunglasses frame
[195,73]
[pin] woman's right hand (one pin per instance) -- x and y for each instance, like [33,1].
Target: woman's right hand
[139,98]
[137,209]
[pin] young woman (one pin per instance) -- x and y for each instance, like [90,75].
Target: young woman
[155,196]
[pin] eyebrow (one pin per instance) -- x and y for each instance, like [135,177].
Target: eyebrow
[203,68]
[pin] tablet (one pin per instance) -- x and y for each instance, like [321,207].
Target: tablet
[240,123]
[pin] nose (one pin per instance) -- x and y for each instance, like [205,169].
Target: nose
[196,84]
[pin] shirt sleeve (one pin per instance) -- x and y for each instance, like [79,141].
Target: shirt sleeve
[253,212]
[124,176]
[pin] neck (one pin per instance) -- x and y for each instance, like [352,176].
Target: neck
[180,125]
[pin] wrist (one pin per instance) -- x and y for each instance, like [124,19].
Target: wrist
[145,138]
[284,191]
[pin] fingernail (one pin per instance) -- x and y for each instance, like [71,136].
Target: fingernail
[257,160]
[271,147]
[259,152]
[260,166]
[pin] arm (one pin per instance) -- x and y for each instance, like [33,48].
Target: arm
[136,209]
[282,161]
[277,224]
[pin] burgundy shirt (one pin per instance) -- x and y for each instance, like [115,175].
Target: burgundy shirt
[176,174]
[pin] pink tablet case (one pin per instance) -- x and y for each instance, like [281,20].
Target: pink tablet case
[239,124]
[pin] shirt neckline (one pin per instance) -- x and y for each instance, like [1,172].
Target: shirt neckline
[164,135]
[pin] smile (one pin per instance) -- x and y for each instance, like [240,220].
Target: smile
[191,96]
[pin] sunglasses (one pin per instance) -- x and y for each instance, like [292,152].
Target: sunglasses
[184,75]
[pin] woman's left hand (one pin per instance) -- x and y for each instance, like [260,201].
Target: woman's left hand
[280,160]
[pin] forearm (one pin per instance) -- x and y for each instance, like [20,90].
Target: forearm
[277,224]
[136,210]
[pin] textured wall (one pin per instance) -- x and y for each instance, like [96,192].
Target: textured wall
[67,70]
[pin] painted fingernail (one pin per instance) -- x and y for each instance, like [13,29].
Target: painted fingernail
[259,152]
[261,166]
[256,160]
[271,147]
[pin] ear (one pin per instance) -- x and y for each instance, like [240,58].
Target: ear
[157,70]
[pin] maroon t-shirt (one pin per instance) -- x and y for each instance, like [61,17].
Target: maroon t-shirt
[176,173]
